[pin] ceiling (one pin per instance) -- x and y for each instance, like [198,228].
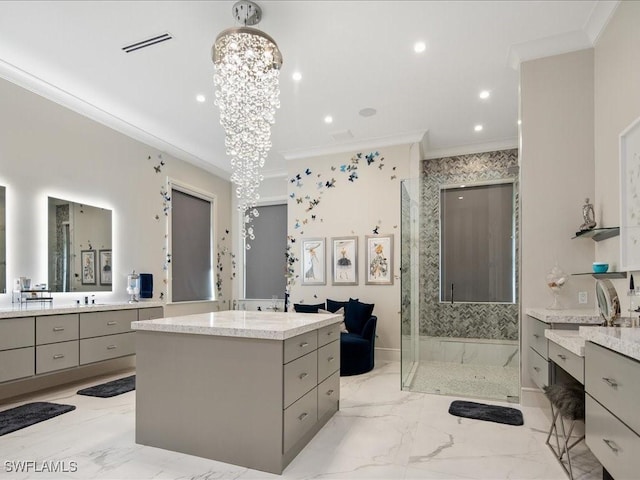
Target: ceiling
[351,54]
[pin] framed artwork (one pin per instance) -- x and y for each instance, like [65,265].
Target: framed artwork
[630,197]
[379,260]
[313,261]
[88,262]
[105,267]
[344,259]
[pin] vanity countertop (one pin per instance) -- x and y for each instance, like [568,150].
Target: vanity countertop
[565,316]
[623,340]
[239,323]
[36,310]
[569,339]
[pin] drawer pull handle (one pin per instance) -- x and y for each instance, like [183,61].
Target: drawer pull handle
[303,375]
[304,344]
[537,369]
[562,357]
[58,356]
[112,323]
[331,359]
[58,329]
[303,416]
[536,336]
[611,444]
[329,392]
[111,347]
[330,332]
[611,382]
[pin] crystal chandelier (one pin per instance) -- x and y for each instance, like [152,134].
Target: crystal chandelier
[247,65]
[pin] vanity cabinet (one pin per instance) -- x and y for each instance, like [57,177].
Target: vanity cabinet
[17,348]
[56,342]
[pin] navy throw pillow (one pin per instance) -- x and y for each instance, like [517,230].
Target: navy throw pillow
[302,308]
[356,315]
[333,306]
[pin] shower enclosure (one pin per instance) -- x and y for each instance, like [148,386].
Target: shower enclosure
[459,251]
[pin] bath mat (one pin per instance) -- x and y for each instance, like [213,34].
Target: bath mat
[490,413]
[110,389]
[29,414]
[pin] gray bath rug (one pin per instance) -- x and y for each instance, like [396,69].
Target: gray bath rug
[29,414]
[489,413]
[110,389]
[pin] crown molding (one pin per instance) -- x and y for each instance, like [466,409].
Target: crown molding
[470,149]
[599,19]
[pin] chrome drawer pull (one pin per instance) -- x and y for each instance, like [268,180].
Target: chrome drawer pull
[611,382]
[58,329]
[537,369]
[330,332]
[536,336]
[111,347]
[329,392]
[331,359]
[562,357]
[611,444]
[303,375]
[112,323]
[304,344]
[302,417]
[58,356]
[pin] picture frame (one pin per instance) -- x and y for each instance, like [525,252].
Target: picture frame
[313,262]
[630,197]
[106,267]
[88,267]
[344,261]
[379,260]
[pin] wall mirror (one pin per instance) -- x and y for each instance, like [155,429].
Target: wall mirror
[79,246]
[3,240]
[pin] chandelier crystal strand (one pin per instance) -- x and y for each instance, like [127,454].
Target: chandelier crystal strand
[247,92]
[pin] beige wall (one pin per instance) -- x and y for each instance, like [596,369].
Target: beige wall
[48,150]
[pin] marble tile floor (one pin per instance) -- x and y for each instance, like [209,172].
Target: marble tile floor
[380,432]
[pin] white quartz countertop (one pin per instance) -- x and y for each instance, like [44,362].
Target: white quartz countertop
[36,310]
[623,340]
[565,316]
[240,323]
[569,339]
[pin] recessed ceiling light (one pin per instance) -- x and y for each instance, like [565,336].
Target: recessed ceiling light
[419,47]
[200,98]
[478,128]
[328,119]
[297,76]
[484,94]
[367,112]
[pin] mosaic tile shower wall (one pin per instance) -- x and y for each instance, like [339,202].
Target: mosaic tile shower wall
[462,320]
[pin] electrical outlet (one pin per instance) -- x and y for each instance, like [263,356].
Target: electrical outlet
[583,297]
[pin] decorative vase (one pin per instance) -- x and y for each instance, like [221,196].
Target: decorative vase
[556,279]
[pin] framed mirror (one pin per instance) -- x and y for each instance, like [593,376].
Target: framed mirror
[79,247]
[3,240]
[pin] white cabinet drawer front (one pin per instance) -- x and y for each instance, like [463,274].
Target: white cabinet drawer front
[328,360]
[56,328]
[538,369]
[95,324]
[613,380]
[537,340]
[300,376]
[150,313]
[568,361]
[328,334]
[16,332]
[299,418]
[18,363]
[329,395]
[612,442]
[105,348]
[56,356]
[301,345]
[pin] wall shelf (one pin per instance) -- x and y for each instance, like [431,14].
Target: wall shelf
[598,234]
[604,275]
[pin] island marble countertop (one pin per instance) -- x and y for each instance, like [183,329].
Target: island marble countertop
[569,339]
[36,310]
[624,340]
[565,316]
[240,323]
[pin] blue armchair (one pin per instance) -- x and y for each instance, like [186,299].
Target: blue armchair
[356,349]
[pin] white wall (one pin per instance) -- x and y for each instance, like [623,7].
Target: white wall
[48,150]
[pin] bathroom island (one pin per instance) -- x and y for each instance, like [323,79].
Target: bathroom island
[246,388]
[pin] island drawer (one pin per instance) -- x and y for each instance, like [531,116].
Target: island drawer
[16,332]
[56,356]
[150,313]
[328,360]
[537,340]
[329,395]
[300,376]
[568,361]
[18,363]
[297,346]
[95,324]
[299,418]
[612,442]
[538,369]
[328,334]
[613,380]
[104,348]
[56,328]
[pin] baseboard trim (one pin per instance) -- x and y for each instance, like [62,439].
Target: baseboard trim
[533,397]
[387,354]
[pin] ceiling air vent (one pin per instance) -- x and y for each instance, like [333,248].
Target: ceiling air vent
[147,43]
